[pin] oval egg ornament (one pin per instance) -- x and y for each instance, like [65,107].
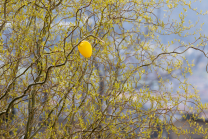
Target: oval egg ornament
[85,49]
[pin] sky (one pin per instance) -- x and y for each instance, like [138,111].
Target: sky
[199,77]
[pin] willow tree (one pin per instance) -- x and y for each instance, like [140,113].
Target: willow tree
[49,90]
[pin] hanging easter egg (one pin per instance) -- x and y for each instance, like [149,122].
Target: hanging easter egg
[85,49]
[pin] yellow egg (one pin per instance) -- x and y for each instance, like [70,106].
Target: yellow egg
[85,49]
